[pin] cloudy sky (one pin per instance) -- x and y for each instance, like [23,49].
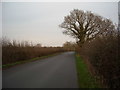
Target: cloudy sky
[38,21]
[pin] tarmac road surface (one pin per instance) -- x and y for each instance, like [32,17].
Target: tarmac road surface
[53,72]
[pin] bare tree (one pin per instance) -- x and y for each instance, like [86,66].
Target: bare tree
[85,26]
[38,45]
[69,45]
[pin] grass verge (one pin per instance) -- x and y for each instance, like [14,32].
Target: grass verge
[25,61]
[85,79]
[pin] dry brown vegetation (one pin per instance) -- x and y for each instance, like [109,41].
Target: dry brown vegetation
[15,51]
[104,55]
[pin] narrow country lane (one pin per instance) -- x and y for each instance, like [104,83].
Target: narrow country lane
[53,72]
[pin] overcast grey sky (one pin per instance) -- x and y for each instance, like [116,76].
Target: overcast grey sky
[38,22]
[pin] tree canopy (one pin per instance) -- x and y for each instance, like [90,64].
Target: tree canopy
[85,26]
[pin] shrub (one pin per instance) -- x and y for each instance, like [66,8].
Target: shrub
[104,55]
[19,51]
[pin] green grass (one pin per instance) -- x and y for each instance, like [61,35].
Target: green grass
[25,61]
[85,79]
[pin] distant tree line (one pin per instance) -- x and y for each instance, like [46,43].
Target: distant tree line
[69,46]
